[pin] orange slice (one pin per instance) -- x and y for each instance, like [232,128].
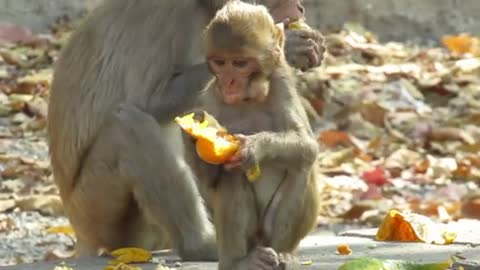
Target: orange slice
[213,146]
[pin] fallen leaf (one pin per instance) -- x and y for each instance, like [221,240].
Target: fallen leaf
[7,224]
[11,33]
[58,254]
[6,205]
[68,230]
[370,263]
[332,138]
[130,255]
[47,204]
[376,176]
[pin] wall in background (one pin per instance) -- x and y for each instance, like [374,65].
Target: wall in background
[415,20]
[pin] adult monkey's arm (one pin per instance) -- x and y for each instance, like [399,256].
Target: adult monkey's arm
[304,48]
[180,94]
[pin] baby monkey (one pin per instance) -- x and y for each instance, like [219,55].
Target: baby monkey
[258,224]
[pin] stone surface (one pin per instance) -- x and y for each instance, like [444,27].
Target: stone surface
[424,20]
[415,20]
[320,247]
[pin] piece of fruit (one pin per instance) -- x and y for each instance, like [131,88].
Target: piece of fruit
[369,263]
[253,173]
[130,255]
[410,227]
[344,249]
[216,149]
[299,25]
[213,146]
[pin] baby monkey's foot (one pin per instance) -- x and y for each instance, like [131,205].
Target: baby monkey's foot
[261,258]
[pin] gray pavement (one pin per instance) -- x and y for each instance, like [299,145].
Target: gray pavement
[320,247]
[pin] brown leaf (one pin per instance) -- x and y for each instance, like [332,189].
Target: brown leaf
[46,204]
[7,224]
[332,138]
[38,107]
[6,205]
[58,254]
[422,166]
[10,33]
[374,114]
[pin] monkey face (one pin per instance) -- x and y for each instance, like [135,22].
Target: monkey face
[238,79]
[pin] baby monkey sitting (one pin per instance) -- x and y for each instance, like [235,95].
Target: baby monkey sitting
[258,224]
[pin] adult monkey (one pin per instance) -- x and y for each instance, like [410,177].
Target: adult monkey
[117,157]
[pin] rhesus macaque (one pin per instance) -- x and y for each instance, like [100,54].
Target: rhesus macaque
[253,94]
[117,156]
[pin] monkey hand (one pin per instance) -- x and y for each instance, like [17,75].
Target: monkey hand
[304,48]
[246,157]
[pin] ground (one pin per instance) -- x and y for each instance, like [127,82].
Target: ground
[320,248]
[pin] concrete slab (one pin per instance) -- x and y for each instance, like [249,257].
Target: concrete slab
[320,247]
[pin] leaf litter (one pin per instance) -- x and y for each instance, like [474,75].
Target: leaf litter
[398,126]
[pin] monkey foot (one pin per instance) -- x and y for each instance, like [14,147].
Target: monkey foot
[261,258]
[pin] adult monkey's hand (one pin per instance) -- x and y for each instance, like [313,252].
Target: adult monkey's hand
[304,48]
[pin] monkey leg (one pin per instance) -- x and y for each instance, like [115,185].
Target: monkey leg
[296,215]
[154,157]
[236,224]
[135,169]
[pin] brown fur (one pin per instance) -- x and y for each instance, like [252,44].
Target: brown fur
[261,223]
[117,157]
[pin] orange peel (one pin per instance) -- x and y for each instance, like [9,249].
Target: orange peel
[411,227]
[214,146]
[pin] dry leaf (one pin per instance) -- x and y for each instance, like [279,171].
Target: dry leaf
[332,138]
[6,205]
[47,204]
[68,230]
[7,224]
[63,267]
[122,266]
[376,176]
[130,255]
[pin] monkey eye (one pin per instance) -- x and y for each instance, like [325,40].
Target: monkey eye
[240,63]
[219,62]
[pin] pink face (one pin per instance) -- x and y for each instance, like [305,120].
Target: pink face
[234,76]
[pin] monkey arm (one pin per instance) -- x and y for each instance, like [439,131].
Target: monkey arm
[292,147]
[180,94]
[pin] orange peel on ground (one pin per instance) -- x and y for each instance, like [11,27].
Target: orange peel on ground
[344,249]
[410,227]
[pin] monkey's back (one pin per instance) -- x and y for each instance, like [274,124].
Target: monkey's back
[107,62]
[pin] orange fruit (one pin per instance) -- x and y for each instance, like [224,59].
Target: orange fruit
[344,249]
[216,150]
[213,146]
